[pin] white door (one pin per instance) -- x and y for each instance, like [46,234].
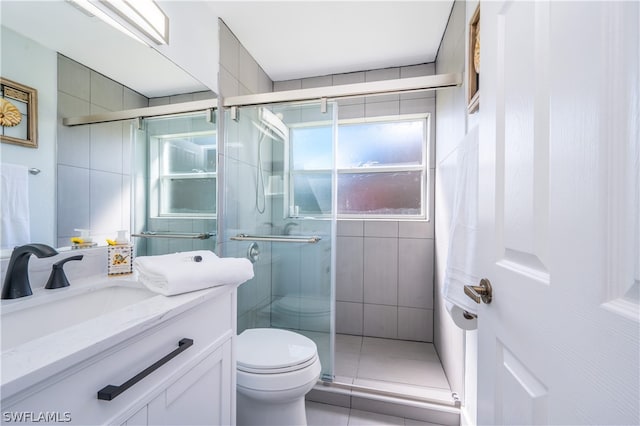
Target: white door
[558,213]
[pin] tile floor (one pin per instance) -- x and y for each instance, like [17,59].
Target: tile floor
[332,415]
[390,365]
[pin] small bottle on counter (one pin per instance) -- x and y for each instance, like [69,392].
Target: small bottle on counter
[120,255]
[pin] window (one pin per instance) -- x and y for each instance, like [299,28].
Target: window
[186,175]
[381,168]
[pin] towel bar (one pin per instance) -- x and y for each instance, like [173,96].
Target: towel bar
[277,238]
[151,234]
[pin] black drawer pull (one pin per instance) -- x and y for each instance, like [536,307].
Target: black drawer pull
[109,392]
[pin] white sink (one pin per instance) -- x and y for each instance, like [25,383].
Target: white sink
[50,311]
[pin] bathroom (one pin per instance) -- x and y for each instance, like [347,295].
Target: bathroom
[96,189]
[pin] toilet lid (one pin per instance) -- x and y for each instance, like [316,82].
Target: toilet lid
[271,350]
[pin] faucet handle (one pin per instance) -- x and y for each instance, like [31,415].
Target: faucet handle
[58,279]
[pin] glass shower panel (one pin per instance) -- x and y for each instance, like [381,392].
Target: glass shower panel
[176,183]
[293,285]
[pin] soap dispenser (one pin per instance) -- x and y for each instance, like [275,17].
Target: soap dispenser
[120,255]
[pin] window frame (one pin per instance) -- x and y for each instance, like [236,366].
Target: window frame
[422,168]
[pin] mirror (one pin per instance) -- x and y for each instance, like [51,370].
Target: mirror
[82,175]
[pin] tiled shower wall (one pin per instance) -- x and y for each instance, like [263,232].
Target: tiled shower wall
[384,271]
[384,284]
[93,161]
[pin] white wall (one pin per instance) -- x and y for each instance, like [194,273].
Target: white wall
[193,39]
[33,65]
[457,348]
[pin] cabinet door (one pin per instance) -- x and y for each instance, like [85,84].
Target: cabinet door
[201,397]
[138,419]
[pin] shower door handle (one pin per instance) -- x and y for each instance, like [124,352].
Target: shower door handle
[480,293]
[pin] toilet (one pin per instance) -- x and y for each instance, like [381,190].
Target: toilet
[275,370]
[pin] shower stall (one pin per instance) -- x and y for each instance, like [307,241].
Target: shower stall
[279,169]
[267,218]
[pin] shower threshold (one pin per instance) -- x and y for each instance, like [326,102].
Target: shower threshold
[394,377]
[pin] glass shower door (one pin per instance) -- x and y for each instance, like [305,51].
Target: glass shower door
[175,190]
[282,219]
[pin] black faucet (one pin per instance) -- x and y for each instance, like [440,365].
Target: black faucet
[58,279]
[16,281]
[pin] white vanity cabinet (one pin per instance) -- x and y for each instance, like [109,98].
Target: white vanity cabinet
[201,397]
[196,386]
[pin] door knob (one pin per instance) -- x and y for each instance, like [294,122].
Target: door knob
[480,293]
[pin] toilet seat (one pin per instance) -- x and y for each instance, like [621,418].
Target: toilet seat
[274,371]
[273,351]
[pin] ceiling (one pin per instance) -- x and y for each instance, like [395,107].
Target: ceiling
[289,39]
[295,39]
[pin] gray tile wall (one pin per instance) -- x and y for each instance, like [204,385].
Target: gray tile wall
[240,74]
[384,271]
[94,161]
[384,279]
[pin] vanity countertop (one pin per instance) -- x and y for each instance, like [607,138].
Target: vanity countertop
[29,363]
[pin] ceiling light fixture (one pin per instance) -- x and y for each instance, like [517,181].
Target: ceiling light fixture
[144,15]
[89,9]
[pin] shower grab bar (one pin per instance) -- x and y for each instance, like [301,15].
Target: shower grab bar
[151,234]
[277,238]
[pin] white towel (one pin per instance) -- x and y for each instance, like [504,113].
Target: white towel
[178,273]
[14,197]
[461,259]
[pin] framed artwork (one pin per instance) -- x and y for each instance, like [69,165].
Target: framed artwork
[473,82]
[18,113]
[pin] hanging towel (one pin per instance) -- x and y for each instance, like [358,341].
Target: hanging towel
[14,196]
[178,273]
[461,260]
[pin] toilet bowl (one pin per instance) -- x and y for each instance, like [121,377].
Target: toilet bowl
[275,370]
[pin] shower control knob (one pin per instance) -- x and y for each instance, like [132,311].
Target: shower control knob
[253,252]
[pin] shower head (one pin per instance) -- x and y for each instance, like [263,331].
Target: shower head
[272,125]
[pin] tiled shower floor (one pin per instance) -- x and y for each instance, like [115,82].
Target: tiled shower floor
[402,367]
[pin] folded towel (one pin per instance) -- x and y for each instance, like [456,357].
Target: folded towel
[14,192]
[461,260]
[178,273]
